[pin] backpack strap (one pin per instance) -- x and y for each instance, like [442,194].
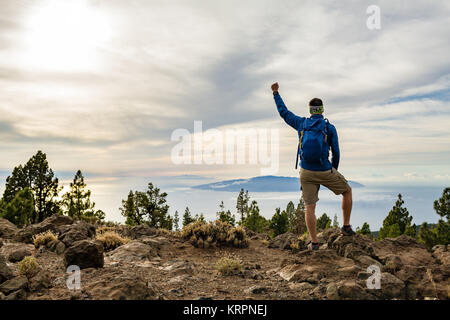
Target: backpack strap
[299,147]
[326,136]
[326,130]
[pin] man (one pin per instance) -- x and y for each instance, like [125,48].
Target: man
[316,136]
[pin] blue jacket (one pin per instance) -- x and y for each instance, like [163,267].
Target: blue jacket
[296,122]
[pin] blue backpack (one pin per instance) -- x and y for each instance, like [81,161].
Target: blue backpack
[313,143]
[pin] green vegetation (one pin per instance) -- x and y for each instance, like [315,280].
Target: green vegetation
[254,221]
[397,222]
[323,222]
[440,233]
[214,234]
[28,267]
[225,216]
[365,229]
[147,207]
[19,209]
[279,223]
[176,221]
[229,265]
[37,176]
[242,205]
[77,201]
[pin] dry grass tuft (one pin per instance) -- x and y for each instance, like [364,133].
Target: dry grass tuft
[44,238]
[111,240]
[215,234]
[28,267]
[229,265]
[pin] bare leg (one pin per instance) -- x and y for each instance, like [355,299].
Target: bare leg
[311,221]
[347,203]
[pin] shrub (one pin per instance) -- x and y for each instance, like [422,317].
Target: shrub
[104,229]
[229,265]
[111,240]
[44,238]
[163,232]
[265,242]
[28,267]
[214,234]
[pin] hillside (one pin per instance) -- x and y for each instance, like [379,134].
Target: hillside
[162,265]
[260,184]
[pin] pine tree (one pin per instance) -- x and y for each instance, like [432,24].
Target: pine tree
[176,221]
[442,206]
[187,217]
[323,222]
[279,223]
[427,235]
[225,216]
[36,175]
[254,221]
[19,209]
[365,229]
[148,208]
[440,234]
[131,211]
[397,222]
[77,201]
[335,221]
[199,217]
[242,204]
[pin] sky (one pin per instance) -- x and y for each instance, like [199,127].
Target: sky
[102,85]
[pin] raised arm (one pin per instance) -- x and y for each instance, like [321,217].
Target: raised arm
[290,118]
[334,147]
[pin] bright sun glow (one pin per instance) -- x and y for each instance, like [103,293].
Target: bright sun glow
[65,36]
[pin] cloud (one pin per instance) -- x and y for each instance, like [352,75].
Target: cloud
[166,64]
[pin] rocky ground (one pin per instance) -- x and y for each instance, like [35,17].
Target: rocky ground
[157,265]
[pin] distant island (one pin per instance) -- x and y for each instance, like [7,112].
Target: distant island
[260,184]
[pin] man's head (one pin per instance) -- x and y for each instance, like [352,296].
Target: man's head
[316,106]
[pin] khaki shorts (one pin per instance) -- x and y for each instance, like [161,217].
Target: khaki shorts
[311,181]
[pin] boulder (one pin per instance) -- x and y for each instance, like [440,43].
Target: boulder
[366,261]
[18,254]
[121,287]
[5,271]
[391,287]
[134,251]
[347,290]
[406,248]
[256,290]
[155,242]
[179,267]
[288,241]
[392,263]
[142,230]
[351,246]
[60,247]
[52,223]
[17,295]
[40,281]
[85,254]
[442,254]
[75,232]
[14,284]
[312,266]
[7,229]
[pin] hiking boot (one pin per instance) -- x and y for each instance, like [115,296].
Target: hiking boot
[347,231]
[313,246]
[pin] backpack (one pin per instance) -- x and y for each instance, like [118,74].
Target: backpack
[313,143]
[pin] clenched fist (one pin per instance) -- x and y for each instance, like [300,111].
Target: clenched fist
[275,87]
